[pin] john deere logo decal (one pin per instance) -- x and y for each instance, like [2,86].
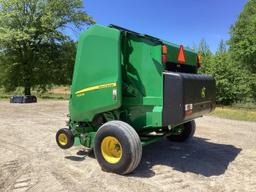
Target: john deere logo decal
[203,92]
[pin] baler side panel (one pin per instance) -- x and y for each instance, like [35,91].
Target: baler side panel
[96,85]
[143,76]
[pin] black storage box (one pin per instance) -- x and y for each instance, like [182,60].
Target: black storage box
[23,99]
[187,96]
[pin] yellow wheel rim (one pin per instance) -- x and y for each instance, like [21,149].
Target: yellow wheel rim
[63,139]
[111,149]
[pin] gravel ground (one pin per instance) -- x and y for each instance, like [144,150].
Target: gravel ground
[221,157]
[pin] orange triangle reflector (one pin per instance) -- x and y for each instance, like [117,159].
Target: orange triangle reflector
[181,57]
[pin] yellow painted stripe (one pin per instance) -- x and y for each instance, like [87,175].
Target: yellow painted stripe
[109,85]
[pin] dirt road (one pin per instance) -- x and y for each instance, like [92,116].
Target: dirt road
[222,157]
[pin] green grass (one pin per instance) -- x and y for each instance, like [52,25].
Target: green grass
[235,113]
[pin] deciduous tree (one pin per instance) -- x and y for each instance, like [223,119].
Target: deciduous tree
[243,37]
[33,45]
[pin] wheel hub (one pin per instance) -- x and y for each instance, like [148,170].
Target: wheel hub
[111,149]
[63,139]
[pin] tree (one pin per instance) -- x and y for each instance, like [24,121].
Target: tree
[225,75]
[204,50]
[243,38]
[243,45]
[222,49]
[233,83]
[33,44]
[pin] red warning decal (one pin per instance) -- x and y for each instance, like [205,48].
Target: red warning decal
[181,57]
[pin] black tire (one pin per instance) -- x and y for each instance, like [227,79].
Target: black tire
[131,149]
[68,137]
[187,133]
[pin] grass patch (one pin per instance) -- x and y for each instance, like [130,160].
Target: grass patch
[235,113]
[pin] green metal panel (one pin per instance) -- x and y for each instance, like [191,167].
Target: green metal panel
[173,53]
[96,85]
[143,77]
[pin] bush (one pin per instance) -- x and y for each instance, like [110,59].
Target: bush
[234,83]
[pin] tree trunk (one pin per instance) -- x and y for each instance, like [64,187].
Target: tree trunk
[27,90]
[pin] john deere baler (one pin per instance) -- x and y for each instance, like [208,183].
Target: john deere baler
[129,90]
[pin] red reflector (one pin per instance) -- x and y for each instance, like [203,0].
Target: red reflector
[181,56]
[164,49]
[199,60]
[164,59]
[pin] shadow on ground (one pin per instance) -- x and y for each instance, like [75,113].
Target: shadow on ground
[197,156]
[81,155]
